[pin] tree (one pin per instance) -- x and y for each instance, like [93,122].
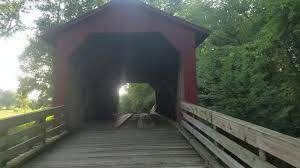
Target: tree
[170,6]
[249,66]
[37,59]
[10,21]
[139,98]
[7,99]
[36,63]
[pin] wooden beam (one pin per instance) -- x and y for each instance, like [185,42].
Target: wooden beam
[121,120]
[228,160]
[15,141]
[211,161]
[56,130]
[279,145]
[20,160]
[28,133]
[248,157]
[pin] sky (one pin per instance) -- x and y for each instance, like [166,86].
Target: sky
[10,49]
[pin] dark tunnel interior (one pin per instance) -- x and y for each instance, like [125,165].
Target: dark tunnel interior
[104,61]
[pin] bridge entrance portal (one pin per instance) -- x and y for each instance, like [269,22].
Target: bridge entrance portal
[104,61]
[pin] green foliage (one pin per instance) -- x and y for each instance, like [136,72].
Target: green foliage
[170,6]
[36,62]
[23,104]
[138,98]
[7,99]
[10,20]
[37,59]
[7,113]
[249,67]
[12,104]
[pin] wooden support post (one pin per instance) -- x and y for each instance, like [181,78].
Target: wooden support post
[215,128]
[57,119]
[42,122]
[262,154]
[3,136]
[62,120]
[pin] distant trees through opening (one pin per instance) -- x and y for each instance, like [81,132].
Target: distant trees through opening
[136,98]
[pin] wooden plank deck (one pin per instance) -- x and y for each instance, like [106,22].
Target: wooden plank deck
[125,147]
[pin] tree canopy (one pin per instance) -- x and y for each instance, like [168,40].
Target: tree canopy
[37,59]
[7,99]
[138,98]
[248,67]
[10,20]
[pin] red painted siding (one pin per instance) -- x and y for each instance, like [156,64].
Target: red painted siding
[122,18]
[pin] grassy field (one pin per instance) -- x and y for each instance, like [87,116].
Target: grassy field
[8,113]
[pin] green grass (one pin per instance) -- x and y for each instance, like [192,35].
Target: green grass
[8,113]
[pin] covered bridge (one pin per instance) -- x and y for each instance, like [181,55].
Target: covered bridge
[129,41]
[125,41]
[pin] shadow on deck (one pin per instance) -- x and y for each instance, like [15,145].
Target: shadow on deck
[102,146]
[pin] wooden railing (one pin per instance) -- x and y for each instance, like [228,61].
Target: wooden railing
[238,143]
[30,133]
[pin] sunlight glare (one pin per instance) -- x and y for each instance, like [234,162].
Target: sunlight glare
[123,90]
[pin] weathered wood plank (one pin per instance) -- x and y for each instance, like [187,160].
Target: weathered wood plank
[3,143]
[121,120]
[121,148]
[282,146]
[19,161]
[17,137]
[21,119]
[208,158]
[262,154]
[28,133]
[20,148]
[25,118]
[3,140]
[153,161]
[248,157]
[54,111]
[228,160]
[56,130]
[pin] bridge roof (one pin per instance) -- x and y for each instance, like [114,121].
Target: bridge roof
[200,32]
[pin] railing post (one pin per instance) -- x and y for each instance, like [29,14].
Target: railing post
[262,154]
[215,128]
[63,118]
[42,122]
[3,134]
[179,117]
[58,117]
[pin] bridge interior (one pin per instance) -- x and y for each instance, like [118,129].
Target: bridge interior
[105,61]
[92,61]
[98,145]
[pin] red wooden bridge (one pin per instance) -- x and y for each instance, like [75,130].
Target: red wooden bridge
[130,42]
